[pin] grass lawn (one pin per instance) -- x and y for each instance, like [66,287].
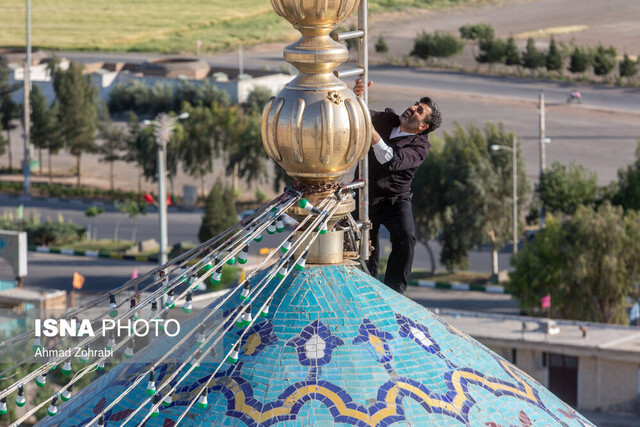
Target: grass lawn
[100,245]
[159,26]
[469,277]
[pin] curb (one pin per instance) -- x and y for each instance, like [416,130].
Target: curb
[92,254]
[493,289]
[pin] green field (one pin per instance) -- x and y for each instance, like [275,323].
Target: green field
[158,26]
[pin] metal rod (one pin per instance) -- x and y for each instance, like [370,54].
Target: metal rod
[348,35]
[515,195]
[162,202]
[26,167]
[543,157]
[363,23]
[348,73]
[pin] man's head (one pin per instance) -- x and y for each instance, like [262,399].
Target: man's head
[422,117]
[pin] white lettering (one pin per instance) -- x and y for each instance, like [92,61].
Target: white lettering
[126,327]
[67,328]
[145,324]
[50,328]
[166,327]
[85,328]
[111,325]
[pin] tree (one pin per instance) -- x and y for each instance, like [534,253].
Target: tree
[381,45]
[246,157]
[114,141]
[77,111]
[9,110]
[554,59]
[439,45]
[628,191]
[531,57]
[562,189]
[217,214]
[45,132]
[604,60]
[3,141]
[477,192]
[627,67]
[428,198]
[141,148]
[588,265]
[580,60]
[476,31]
[198,148]
[492,50]
[511,53]
[255,102]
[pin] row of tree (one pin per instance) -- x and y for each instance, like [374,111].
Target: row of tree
[464,193]
[492,50]
[587,257]
[78,121]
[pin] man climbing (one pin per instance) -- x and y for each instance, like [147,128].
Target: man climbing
[399,145]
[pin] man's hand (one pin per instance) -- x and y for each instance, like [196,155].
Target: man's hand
[358,89]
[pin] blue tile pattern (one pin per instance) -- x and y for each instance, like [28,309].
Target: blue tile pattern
[338,347]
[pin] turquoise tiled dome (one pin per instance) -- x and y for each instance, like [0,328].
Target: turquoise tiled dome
[338,347]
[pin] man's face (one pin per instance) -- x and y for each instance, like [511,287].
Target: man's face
[412,120]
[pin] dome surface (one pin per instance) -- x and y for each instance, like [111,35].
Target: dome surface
[337,347]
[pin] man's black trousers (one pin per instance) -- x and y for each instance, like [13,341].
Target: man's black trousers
[395,214]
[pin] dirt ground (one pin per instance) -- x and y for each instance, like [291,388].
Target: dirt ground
[588,22]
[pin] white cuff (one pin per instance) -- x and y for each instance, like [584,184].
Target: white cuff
[383,152]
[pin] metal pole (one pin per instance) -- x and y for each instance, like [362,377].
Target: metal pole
[364,163]
[542,150]
[26,166]
[162,202]
[515,196]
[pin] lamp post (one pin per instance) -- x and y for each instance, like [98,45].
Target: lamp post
[514,173]
[164,126]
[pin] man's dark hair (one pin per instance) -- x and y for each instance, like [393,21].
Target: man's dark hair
[434,120]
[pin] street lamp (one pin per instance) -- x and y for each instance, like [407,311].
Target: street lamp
[164,126]
[514,173]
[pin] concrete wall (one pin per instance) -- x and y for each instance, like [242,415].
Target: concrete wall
[607,385]
[603,385]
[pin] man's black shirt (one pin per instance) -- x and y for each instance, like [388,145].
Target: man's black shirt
[394,178]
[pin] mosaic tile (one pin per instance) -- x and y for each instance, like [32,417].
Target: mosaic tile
[338,348]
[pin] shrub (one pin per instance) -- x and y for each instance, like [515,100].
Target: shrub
[381,45]
[627,67]
[477,31]
[491,50]
[554,59]
[580,60]
[440,45]
[531,57]
[604,60]
[511,53]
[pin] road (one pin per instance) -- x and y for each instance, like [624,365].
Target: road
[600,134]
[184,226]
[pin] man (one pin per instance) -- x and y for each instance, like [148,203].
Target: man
[399,145]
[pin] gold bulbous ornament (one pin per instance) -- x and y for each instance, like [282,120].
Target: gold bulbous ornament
[316,128]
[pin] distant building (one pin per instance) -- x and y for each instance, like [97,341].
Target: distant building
[591,366]
[106,76]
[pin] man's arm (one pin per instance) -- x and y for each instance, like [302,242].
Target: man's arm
[408,157]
